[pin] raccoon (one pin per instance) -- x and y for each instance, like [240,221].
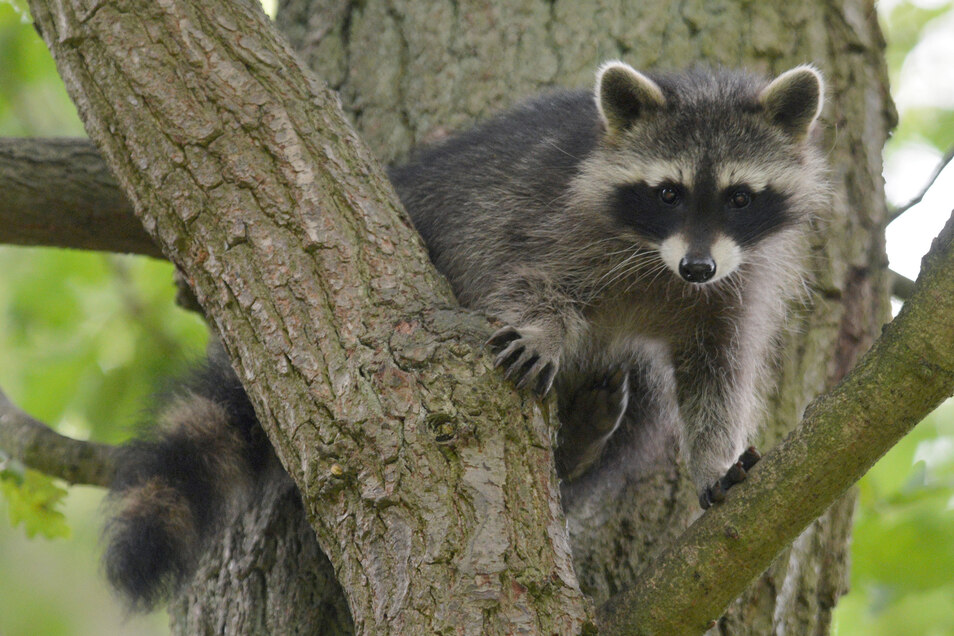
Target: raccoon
[640,244]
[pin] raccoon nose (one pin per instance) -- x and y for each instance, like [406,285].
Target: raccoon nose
[697,269]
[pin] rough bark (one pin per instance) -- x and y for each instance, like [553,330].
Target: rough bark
[59,192]
[366,377]
[410,72]
[271,571]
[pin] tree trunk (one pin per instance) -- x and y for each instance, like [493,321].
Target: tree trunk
[266,576]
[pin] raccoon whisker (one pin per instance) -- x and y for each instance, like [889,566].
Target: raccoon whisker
[553,144]
[624,269]
[635,255]
[661,270]
[655,271]
[639,271]
[614,271]
[631,266]
[645,267]
[596,278]
[639,261]
[625,250]
[730,286]
[588,247]
[686,292]
[632,279]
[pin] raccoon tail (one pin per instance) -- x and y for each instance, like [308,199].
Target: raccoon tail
[173,490]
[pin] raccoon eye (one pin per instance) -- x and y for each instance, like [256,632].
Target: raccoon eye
[668,195]
[740,199]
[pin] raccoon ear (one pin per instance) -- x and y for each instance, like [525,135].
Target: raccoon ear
[794,100]
[624,95]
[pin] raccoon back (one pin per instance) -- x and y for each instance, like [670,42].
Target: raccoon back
[480,198]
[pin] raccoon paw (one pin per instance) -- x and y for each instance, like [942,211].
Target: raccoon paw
[588,419]
[601,404]
[525,361]
[737,472]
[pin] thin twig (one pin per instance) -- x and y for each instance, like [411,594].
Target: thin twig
[41,448]
[901,286]
[946,159]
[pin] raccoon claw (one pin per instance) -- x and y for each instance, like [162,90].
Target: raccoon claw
[521,361]
[749,458]
[503,337]
[736,474]
[545,380]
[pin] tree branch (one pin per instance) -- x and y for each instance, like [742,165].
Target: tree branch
[904,376]
[41,448]
[59,193]
[901,286]
[373,387]
[946,159]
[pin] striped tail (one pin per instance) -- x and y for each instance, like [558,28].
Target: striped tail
[174,489]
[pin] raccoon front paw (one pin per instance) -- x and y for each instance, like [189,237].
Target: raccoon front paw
[525,360]
[737,472]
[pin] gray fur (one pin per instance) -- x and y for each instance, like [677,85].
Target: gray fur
[519,214]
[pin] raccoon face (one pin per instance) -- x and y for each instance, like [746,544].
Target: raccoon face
[702,167]
[701,229]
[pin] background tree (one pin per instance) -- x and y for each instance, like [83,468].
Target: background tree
[846,293]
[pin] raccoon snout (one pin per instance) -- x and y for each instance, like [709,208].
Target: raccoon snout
[697,269]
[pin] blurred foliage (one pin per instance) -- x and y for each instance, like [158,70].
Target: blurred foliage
[32,97]
[905,25]
[932,126]
[91,335]
[85,337]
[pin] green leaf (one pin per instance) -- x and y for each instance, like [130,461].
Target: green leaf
[34,500]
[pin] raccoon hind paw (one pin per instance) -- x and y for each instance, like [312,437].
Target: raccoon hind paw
[736,474]
[604,401]
[589,417]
